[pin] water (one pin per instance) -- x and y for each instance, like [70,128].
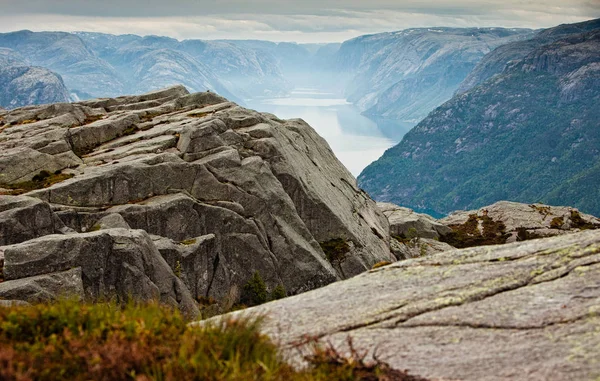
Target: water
[356,140]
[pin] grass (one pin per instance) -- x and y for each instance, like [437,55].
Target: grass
[44,179]
[68,340]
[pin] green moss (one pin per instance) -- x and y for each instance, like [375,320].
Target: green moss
[335,250]
[95,228]
[188,242]
[177,270]
[44,179]
[254,291]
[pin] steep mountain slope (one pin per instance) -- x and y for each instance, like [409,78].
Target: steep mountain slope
[496,61]
[172,195]
[22,84]
[404,75]
[529,134]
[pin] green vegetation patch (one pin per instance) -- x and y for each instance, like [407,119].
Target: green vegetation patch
[335,249]
[577,222]
[73,341]
[44,179]
[468,234]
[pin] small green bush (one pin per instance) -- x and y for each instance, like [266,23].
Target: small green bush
[254,291]
[278,292]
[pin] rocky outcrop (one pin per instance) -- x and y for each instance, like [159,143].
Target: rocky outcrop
[521,311]
[174,183]
[527,134]
[22,84]
[507,221]
[413,234]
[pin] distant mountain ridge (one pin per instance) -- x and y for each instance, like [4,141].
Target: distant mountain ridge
[22,84]
[406,74]
[528,134]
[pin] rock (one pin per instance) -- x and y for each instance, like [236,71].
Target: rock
[44,288]
[183,167]
[23,218]
[116,262]
[521,311]
[404,219]
[520,222]
[12,303]
[417,247]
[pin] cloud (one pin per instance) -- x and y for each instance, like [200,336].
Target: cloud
[305,21]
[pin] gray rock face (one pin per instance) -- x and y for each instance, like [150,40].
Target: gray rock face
[44,288]
[222,191]
[116,262]
[521,311]
[523,221]
[22,84]
[403,219]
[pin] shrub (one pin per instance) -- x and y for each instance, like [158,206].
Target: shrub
[557,223]
[254,291]
[335,249]
[278,292]
[71,341]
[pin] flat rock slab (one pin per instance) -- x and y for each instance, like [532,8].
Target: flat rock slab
[521,311]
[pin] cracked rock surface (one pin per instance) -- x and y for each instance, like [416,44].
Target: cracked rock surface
[521,311]
[176,196]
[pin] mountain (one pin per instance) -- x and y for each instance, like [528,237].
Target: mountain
[496,61]
[66,54]
[404,75]
[22,84]
[176,196]
[528,134]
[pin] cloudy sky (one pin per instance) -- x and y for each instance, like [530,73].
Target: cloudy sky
[300,20]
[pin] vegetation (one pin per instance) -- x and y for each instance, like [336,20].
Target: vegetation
[578,222]
[71,341]
[525,235]
[254,291]
[43,179]
[278,292]
[335,249]
[380,264]
[468,234]
[557,223]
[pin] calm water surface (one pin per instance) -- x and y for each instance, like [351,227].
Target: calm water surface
[355,139]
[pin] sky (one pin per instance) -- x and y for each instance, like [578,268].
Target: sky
[299,21]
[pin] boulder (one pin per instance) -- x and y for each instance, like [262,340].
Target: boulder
[117,262]
[23,218]
[405,222]
[520,311]
[507,221]
[44,288]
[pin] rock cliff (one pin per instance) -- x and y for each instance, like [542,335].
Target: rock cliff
[176,195]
